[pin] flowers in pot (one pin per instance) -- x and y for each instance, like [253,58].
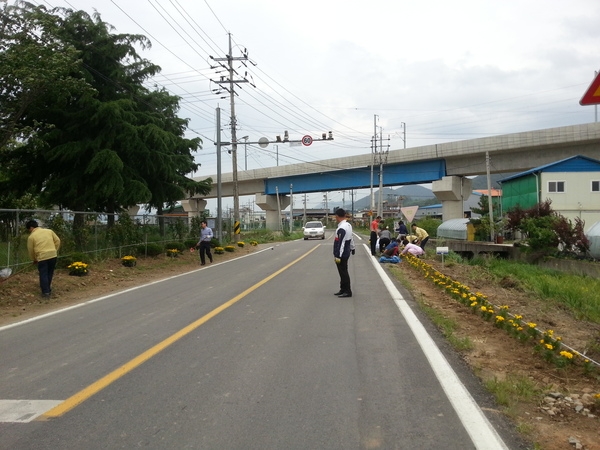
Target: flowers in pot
[172,252]
[128,261]
[78,269]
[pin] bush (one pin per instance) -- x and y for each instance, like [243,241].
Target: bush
[176,245]
[189,243]
[66,261]
[150,249]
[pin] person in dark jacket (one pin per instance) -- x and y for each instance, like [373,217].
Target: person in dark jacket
[402,230]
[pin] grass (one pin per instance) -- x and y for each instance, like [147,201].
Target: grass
[578,294]
[512,391]
[448,327]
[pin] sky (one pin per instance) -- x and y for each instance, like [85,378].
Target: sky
[415,72]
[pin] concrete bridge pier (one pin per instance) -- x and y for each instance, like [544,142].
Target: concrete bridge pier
[193,207]
[269,204]
[452,191]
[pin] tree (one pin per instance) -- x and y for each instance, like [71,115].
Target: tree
[110,147]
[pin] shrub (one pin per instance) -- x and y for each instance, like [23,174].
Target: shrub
[229,248]
[150,249]
[176,245]
[189,243]
[65,261]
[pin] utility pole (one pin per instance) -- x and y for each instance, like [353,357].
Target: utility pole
[382,160]
[231,89]
[373,152]
[489,186]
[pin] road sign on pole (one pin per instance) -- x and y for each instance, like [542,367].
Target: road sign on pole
[592,95]
[307,140]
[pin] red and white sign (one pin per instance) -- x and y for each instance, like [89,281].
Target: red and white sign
[307,140]
[592,95]
[409,212]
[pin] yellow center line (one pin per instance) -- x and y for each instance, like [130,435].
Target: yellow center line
[108,379]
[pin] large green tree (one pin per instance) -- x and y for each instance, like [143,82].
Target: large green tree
[115,145]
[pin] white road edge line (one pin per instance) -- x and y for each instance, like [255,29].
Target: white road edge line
[481,431]
[89,302]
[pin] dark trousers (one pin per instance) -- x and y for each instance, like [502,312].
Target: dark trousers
[342,268]
[423,242]
[205,249]
[373,242]
[383,242]
[46,270]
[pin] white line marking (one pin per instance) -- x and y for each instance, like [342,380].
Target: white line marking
[23,411]
[481,431]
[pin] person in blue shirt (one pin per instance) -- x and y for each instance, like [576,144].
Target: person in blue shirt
[206,236]
[343,247]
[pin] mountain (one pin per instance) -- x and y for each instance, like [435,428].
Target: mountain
[480,181]
[410,193]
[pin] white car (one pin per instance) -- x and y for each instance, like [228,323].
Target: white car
[315,230]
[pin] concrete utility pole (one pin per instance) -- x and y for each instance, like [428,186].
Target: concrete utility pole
[231,89]
[382,160]
[490,203]
[373,152]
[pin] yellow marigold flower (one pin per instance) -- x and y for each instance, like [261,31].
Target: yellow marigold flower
[472,298]
[518,317]
[566,354]
[550,332]
[558,338]
[541,341]
[532,325]
[474,304]
[464,295]
[549,347]
[483,308]
[504,307]
[520,328]
[499,318]
[597,396]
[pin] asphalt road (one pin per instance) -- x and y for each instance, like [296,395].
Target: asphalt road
[253,353]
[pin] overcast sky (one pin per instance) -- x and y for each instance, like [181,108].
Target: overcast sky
[441,70]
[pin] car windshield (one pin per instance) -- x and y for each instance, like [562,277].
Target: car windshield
[314,225]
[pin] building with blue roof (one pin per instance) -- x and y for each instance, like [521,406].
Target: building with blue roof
[571,184]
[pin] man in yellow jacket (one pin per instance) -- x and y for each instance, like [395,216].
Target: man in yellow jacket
[422,235]
[43,245]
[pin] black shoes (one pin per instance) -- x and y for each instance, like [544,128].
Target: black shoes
[342,294]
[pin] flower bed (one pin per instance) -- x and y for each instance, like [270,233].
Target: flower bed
[549,346]
[229,248]
[219,250]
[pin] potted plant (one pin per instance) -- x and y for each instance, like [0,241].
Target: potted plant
[128,261]
[78,269]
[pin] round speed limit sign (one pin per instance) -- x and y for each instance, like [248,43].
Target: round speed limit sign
[307,140]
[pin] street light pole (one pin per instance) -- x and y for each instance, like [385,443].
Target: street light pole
[245,138]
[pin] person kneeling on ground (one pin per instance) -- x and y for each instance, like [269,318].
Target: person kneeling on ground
[413,249]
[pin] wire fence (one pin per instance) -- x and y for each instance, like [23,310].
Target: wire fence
[99,235]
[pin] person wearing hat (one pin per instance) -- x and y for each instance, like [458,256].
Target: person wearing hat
[422,235]
[43,245]
[343,247]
